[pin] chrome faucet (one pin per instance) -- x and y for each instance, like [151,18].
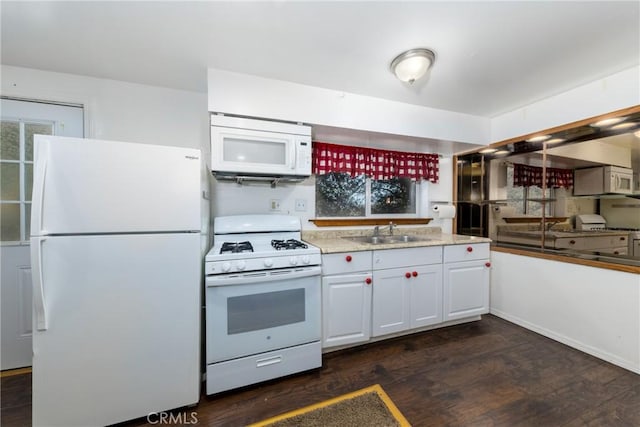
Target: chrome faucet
[391,227]
[376,231]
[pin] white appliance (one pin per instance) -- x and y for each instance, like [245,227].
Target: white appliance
[602,180]
[590,222]
[250,147]
[116,266]
[262,301]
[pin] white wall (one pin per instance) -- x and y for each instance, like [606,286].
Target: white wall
[230,198]
[119,110]
[615,92]
[591,309]
[243,94]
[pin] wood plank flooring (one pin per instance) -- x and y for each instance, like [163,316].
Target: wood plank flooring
[484,373]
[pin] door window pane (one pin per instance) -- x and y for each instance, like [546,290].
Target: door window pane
[9,140]
[9,181]
[31,129]
[10,222]
[28,180]
[338,194]
[393,196]
[254,312]
[27,218]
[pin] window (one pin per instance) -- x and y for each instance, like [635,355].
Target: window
[526,199]
[16,176]
[340,195]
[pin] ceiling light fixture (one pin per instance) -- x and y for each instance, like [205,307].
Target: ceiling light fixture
[501,152]
[488,150]
[539,138]
[409,66]
[626,125]
[608,122]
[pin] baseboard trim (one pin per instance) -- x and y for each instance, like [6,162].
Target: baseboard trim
[12,372]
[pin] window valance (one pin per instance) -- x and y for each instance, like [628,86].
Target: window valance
[375,163]
[528,176]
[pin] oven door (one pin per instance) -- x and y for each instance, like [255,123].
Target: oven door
[254,312]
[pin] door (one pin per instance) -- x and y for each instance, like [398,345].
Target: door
[21,120]
[426,295]
[391,301]
[117,187]
[466,289]
[118,326]
[346,309]
[259,311]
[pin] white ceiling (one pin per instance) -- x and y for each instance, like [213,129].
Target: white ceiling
[492,57]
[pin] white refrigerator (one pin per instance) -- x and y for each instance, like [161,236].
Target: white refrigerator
[116,267]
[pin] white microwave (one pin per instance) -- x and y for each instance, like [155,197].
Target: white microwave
[602,180]
[250,147]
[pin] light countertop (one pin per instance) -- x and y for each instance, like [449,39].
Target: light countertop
[332,241]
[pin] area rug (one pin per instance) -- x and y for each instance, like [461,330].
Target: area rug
[370,407]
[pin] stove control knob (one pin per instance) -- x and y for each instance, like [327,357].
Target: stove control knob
[226,266]
[268,262]
[293,260]
[241,265]
[305,259]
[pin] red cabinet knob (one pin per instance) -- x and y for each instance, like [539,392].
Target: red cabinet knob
[407,275]
[414,274]
[348,258]
[367,280]
[616,253]
[622,238]
[488,264]
[469,249]
[572,242]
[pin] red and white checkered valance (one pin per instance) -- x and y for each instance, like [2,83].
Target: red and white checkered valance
[375,163]
[529,176]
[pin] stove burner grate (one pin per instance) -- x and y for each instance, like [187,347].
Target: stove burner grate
[236,247]
[288,244]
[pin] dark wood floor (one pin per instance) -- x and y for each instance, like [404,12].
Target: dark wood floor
[485,373]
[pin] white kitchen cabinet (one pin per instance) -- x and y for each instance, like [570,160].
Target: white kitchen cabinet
[407,289]
[466,280]
[346,298]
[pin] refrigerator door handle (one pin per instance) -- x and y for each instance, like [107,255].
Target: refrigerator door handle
[39,305]
[38,187]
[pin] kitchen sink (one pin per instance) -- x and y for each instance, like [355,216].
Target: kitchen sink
[378,240]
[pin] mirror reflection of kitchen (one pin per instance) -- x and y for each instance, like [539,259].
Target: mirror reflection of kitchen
[591,205]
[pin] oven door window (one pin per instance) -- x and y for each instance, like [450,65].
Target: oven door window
[255,312]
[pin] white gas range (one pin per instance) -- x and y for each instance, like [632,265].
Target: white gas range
[262,301]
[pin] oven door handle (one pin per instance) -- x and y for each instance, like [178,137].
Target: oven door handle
[251,277]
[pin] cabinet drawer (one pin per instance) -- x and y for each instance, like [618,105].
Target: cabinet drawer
[346,262]
[591,242]
[406,257]
[261,367]
[470,252]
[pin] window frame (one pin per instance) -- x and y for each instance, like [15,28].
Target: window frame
[368,214]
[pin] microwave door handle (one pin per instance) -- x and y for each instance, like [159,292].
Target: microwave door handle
[292,154]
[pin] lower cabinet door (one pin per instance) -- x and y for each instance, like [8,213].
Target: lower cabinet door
[466,289]
[346,309]
[426,295]
[391,304]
